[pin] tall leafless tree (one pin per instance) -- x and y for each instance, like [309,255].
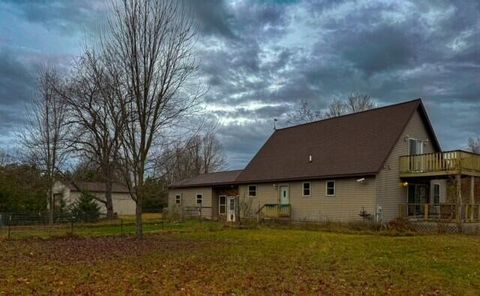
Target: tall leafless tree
[45,136]
[151,43]
[92,101]
[474,144]
[336,108]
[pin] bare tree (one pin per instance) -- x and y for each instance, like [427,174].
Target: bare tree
[45,136]
[303,114]
[336,108]
[474,144]
[358,102]
[200,154]
[151,43]
[97,119]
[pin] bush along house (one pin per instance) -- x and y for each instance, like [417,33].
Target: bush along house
[378,165]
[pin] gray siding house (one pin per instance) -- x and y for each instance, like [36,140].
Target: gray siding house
[378,164]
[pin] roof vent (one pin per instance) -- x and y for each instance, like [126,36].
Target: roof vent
[310,158]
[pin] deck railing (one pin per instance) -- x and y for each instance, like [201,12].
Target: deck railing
[450,162]
[275,210]
[440,212]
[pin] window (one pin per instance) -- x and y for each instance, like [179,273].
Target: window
[436,194]
[199,200]
[330,188]
[306,188]
[178,199]
[415,146]
[222,202]
[252,190]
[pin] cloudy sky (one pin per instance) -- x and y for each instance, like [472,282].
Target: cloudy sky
[261,57]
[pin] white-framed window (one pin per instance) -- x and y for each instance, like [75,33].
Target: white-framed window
[415,146]
[199,199]
[252,190]
[436,194]
[307,189]
[222,204]
[330,188]
[178,199]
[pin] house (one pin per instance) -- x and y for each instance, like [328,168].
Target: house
[69,193]
[377,164]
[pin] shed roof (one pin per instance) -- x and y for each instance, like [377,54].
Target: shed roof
[97,187]
[210,179]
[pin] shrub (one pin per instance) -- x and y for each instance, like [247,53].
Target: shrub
[86,209]
[401,225]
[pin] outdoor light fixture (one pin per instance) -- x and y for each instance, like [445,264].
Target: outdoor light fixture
[405,184]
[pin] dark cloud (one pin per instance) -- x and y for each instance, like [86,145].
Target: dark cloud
[260,57]
[65,16]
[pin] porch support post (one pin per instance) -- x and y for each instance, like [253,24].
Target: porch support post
[459,197]
[472,197]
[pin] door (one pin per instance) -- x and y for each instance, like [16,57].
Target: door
[231,209]
[415,147]
[417,197]
[284,197]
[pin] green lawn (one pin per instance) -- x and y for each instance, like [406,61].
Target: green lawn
[195,258]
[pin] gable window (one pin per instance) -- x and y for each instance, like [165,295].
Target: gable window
[330,188]
[252,190]
[178,199]
[199,200]
[222,204]
[415,146]
[307,188]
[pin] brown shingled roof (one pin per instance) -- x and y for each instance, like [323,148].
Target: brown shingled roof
[351,145]
[210,179]
[97,187]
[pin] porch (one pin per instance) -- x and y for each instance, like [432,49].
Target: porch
[443,212]
[274,211]
[440,164]
[425,174]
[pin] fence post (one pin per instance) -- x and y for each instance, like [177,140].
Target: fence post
[121,227]
[426,212]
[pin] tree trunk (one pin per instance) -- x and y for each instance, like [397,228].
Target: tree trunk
[138,217]
[108,199]
[52,206]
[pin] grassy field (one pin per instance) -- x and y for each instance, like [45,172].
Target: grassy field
[206,258]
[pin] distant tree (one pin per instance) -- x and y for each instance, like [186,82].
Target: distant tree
[23,188]
[303,114]
[45,137]
[86,209]
[200,154]
[156,194]
[355,102]
[474,144]
[336,108]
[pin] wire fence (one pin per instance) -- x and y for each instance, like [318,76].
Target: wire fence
[39,224]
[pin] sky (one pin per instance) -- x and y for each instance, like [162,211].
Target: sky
[260,58]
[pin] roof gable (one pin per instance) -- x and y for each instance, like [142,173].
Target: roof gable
[349,145]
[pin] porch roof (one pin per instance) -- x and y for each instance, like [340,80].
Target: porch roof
[210,179]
